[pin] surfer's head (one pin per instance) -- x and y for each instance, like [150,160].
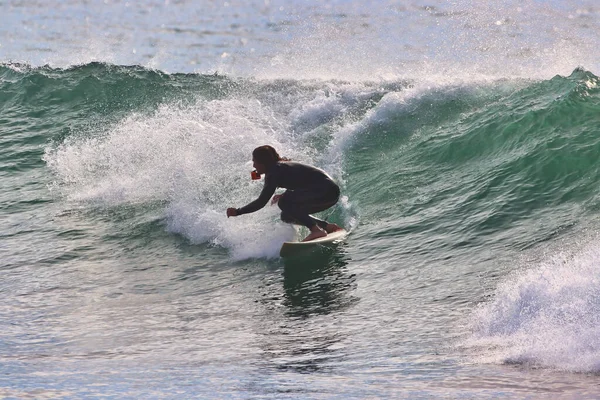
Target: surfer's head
[264,157]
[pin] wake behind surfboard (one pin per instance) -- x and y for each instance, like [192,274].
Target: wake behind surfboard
[293,248]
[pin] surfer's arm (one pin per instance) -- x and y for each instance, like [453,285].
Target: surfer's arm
[262,200]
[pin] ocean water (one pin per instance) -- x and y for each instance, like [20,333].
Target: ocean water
[465,137]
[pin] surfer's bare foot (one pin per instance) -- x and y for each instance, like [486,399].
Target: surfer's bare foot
[330,228]
[315,233]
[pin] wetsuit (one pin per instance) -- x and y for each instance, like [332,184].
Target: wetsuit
[309,190]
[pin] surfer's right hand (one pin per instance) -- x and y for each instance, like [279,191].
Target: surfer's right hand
[231,212]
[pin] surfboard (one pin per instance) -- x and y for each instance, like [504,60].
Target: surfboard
[291,248]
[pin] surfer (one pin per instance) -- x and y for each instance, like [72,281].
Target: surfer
[309,190]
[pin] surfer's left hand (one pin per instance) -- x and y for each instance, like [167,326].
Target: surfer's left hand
[231,212]
[275,199]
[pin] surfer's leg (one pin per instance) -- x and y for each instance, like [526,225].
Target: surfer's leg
[331,227]
[293,209]
[296,206]
[289,217]
[297,215]
[322,224]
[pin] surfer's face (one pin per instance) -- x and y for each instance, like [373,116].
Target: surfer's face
[260,168]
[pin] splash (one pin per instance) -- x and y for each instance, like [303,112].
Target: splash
[194,161]
[547,316]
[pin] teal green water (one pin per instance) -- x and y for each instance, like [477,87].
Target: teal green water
[118,259]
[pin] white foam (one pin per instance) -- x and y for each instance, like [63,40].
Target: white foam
[391,104]
[546,316]
[254,235]
[194,161]
[404,101]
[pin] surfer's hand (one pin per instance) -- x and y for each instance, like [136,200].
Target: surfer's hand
[275,198]
[231,212]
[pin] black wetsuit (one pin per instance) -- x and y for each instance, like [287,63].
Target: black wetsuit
[309,190]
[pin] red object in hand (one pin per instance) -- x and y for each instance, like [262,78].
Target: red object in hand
[255,175]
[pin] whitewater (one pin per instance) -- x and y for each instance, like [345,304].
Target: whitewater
[465,138]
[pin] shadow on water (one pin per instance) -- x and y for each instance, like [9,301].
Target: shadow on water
[302,334]
[317,282]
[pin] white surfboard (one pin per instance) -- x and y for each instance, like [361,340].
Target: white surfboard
[291,248]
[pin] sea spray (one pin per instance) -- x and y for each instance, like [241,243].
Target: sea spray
[195,160]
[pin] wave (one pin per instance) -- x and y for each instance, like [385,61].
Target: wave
[430,170]
[501,162]
[193,156]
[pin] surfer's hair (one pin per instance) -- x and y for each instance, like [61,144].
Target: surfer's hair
[267,155]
